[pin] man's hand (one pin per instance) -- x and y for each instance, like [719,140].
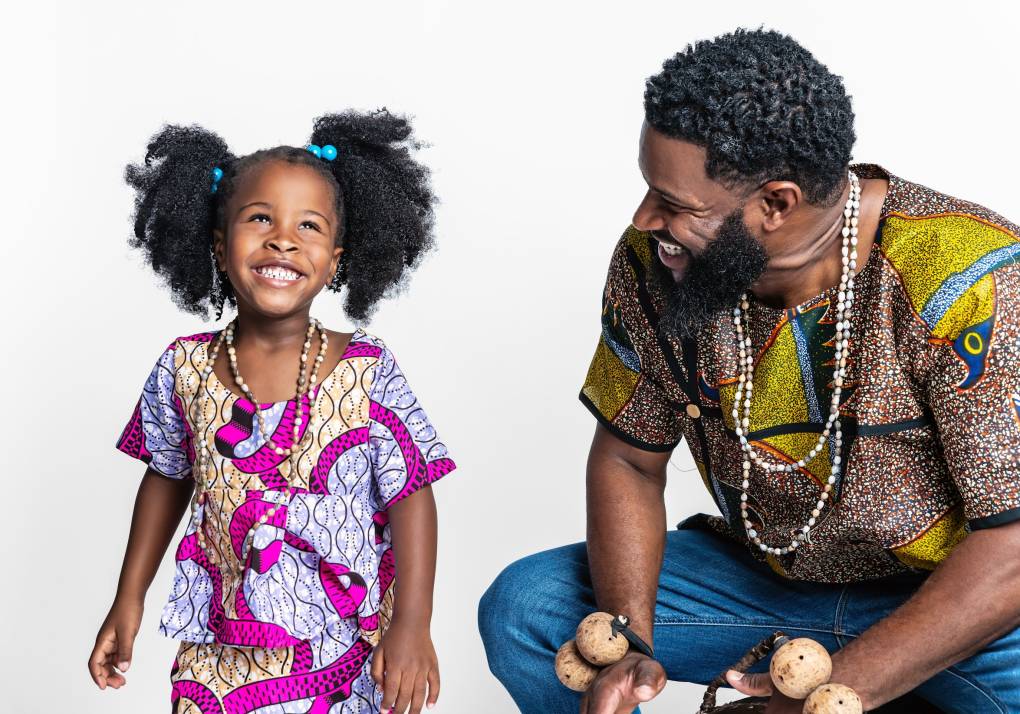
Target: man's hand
[760,685]
[622,686]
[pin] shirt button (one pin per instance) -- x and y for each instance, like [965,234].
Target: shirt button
[692,411]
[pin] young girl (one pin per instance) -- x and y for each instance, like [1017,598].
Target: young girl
[303,453]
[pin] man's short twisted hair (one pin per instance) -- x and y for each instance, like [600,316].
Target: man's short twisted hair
[762,107]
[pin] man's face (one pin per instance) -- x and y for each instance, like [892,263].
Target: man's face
[707,255]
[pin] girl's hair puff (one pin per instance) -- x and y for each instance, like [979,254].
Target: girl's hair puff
[383,197]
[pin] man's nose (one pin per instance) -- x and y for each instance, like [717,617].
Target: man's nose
[647,218]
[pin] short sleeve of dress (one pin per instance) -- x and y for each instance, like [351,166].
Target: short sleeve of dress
[617,391]
[157,432]
[974,395]
[405,450]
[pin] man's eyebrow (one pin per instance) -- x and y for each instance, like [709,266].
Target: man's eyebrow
[672,197]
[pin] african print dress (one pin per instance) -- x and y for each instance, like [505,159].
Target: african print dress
[289,623]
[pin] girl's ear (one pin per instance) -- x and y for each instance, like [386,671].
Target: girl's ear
[334,264]
[219,247]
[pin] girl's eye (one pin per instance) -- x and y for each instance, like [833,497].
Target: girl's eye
[257,216]
[312,224]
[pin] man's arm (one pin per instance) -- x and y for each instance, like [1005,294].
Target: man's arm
[626,537]
[971,599]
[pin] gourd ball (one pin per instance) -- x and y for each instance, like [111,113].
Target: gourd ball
[597,642]
[833,699]
[572,669]
[799,667]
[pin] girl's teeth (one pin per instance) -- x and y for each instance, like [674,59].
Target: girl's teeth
[278,273]
[671,249]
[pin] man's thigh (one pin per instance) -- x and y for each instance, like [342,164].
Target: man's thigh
[715,602]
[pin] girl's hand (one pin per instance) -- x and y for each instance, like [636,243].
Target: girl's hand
[403,663]
[111,656]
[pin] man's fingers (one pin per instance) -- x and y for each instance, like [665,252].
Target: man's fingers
[753,685]
[649,680]
[433,680]
[603,697]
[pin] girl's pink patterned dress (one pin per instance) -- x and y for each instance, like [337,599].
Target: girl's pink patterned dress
[289,624]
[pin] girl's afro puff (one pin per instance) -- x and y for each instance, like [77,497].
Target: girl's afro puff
[383,197]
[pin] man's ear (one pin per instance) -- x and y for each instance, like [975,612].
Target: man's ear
[775,203]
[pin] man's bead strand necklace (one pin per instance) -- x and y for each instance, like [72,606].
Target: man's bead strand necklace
[745,386]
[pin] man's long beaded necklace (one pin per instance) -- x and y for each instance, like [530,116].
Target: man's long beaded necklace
[745,387]
[206,475]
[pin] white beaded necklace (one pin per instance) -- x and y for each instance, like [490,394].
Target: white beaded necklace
[207,470]
[745,386]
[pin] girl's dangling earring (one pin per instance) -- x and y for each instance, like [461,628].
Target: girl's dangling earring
[221,290]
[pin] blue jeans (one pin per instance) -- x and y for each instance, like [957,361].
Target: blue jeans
[714,603]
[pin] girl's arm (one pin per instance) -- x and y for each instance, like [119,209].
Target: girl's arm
[159,505]
[405,661]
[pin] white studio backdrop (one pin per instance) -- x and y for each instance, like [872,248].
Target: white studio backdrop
[533,111]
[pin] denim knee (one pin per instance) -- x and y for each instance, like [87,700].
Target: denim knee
[500,601]
[508,612]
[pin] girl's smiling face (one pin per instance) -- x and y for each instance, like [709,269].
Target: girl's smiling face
[279,244]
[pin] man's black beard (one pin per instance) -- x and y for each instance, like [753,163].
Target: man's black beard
[713,281]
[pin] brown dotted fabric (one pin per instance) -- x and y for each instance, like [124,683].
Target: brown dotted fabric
[931,405]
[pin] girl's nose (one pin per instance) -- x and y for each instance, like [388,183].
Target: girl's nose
[281,243]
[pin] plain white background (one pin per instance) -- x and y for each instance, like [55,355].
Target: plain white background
[533,110]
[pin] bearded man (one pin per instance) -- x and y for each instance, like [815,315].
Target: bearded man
[840,348]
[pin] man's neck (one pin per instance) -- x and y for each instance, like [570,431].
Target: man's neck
[810,262]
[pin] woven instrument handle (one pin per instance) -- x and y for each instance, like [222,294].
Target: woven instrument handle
[755,655]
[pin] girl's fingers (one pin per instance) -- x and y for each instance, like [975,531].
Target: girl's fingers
[418,693]
[391,687]
[103,673]
[406,689]
[125,643]
[433,680]
[378,666]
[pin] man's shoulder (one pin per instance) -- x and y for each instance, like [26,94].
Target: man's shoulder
[946,252]
[633,250]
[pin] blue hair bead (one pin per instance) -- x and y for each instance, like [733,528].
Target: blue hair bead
[314,148]
[329,152]
[217,174]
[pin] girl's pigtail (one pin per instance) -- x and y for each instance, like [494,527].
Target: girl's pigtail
[176,212]
[386,202]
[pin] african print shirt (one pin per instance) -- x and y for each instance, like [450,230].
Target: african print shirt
[931,403]
[322,564]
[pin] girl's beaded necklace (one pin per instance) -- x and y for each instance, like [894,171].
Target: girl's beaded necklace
[207,470]
[745,387]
